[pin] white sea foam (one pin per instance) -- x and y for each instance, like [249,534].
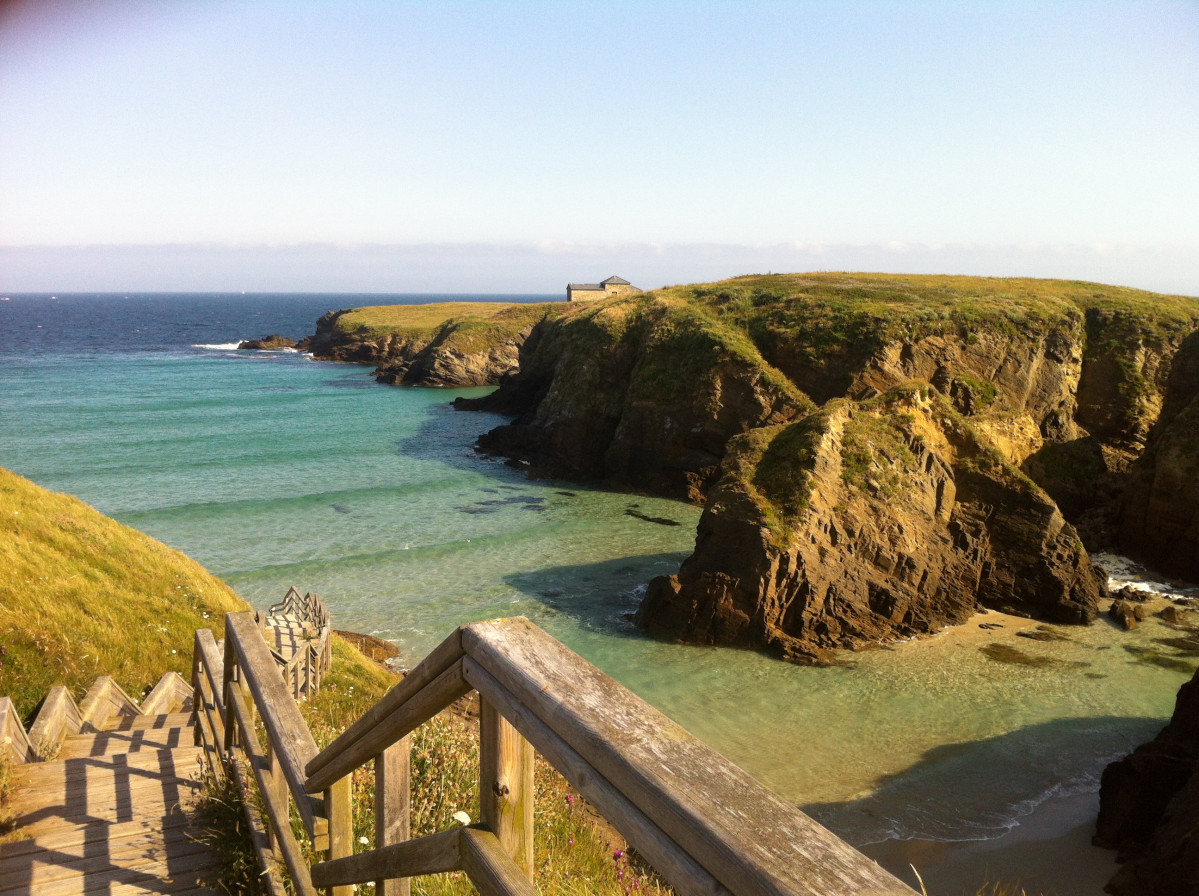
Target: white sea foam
[219,347]
[1123,572]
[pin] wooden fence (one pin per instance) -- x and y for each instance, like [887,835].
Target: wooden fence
[702,822]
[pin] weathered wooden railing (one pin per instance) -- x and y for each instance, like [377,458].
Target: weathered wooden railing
[300,629]
[702,822]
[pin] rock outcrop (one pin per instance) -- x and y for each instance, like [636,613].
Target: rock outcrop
[1057,383]
[1149,808]
[868,521]
[274,342]
[452,344]
[1159,521]
[644,393]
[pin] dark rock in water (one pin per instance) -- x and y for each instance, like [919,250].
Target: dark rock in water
[1125,614]
[1043,633]
[1150,657]
[660,520]
[1173,615]
[340,508]
[1149,808]
[274,342]
[1129,593]
[1005,653]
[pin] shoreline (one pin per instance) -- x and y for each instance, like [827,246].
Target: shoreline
[1048,852]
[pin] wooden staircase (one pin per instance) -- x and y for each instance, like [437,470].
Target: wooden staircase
[113,810]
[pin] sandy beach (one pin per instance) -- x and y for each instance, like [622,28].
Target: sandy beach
[1048,853]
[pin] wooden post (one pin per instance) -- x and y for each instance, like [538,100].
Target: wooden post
[506,785]
[340,811]
[393,812]
[278,786]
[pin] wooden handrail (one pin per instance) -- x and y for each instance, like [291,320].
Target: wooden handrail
[703,823]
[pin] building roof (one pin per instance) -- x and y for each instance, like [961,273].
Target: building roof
[616,281]
[595,286]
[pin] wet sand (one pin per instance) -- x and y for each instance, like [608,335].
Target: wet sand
[1049,852]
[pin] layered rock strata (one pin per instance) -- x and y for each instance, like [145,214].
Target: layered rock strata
[866,522]
[644,393]
[462,349]
[1159,520]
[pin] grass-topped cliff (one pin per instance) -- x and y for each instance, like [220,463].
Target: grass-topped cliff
[441,344]
[1036,396]
[82,595]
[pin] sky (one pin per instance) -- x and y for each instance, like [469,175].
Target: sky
[510,147]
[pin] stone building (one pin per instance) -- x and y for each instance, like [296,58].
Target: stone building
[613,286]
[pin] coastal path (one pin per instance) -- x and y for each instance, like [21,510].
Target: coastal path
[115,810]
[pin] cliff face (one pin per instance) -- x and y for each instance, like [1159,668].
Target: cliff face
[864,522]
[1057,382]
[452,344]
[1149,808]
[1159,521]
[644,393]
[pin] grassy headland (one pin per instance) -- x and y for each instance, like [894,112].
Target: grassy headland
[466,327]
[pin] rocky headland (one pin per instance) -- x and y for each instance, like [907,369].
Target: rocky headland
[878,455]
[443,344]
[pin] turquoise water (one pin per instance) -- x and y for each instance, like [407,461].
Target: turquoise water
[273,470]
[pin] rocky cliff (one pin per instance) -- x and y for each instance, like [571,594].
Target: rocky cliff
[868,521]
[1056,383]
[1159,519]
[1149,808]
[644,392]
[445,344]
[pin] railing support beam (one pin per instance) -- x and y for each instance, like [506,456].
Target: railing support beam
[506,785]
[393,812]
[340,809]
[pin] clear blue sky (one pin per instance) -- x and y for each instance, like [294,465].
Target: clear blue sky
[511,146]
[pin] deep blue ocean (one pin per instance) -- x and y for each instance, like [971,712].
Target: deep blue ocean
[274,470]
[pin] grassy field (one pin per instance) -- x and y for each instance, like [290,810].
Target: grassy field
[82,595]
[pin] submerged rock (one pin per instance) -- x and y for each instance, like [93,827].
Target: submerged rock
[865,522]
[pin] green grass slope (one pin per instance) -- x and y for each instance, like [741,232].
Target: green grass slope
[82,595]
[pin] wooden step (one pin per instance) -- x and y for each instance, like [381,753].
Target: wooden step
[114,789]
[172,850]
[166,720]
[134,740]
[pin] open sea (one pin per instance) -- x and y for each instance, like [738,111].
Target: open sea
[273,470]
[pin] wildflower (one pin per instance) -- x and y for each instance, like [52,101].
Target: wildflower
[617,855]
[363,841]
[461,817]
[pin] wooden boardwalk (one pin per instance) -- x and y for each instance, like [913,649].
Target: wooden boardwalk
[114,813]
